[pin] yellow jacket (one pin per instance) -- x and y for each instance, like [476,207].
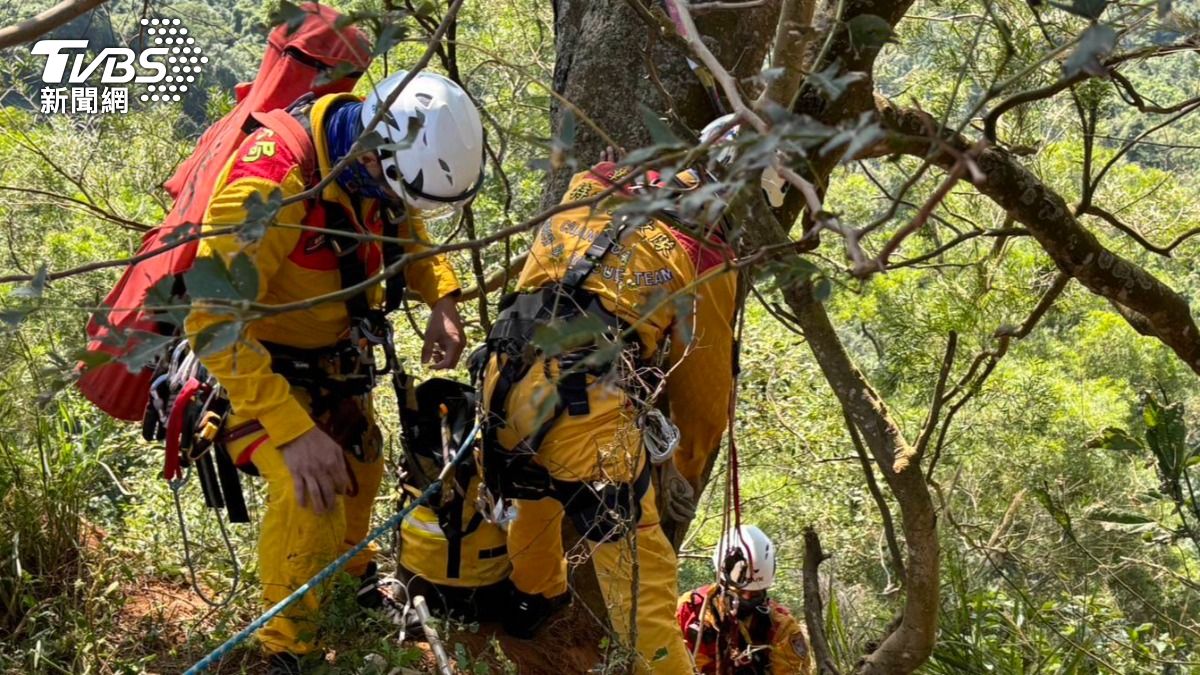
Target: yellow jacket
[786,637]
[666,283]
[293,265]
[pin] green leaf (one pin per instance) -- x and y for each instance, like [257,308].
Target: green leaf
[831,84]
[217,338]
[1056,511]
[1126,521]
[389,37]
[209,279]
[660,133]
[260,214]
[788,273]
[640,155]
[290,14]
[869,32]
[562,336]
[244,277]
[1088,9]
[1097,42]
[1113,438]
[144,349]
[180,233]
[161,295]
[566,131]
[822,289]
[91,358]
[660,654]
[13,317]
[1166,434]
[340,71]
[36,286]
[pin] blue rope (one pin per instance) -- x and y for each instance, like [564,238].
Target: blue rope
[223,651]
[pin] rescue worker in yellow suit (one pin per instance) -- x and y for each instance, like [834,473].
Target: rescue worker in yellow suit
[732,627]
[566,430]
[299,382]
[450,552]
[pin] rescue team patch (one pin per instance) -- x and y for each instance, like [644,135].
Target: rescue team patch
[261,155]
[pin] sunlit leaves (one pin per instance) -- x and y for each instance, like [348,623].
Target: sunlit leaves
[1113,438]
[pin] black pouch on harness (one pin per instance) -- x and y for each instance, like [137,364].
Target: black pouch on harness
[605,512]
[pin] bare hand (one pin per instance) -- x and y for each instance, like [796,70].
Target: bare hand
[318,469]
[444,339]
[611,154]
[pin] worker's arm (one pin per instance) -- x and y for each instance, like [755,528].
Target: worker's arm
[431,277]
[790,652]
[244,370]
[700,384]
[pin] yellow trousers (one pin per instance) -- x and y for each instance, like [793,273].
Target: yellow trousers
[295,543]
[604,445]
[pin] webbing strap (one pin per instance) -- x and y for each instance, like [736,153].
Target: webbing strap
[601,246]
[393,251]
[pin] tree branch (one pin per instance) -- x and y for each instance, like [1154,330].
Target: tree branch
[885,511]
[814,610]
[792,35]
[1074,249]
[46,21]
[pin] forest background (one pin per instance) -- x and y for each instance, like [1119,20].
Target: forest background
[1058,454]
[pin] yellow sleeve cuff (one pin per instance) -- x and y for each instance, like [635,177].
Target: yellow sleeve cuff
[286,422]
[435,281]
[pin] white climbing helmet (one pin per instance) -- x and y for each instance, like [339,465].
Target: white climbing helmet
[745,559]
[773,185]
[442,167]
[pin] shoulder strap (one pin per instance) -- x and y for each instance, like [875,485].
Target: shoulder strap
[294,135]
[392,253]
[582,268]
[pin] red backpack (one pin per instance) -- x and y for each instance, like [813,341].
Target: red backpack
[300,59]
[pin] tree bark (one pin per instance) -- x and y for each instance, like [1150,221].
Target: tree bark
[601,66]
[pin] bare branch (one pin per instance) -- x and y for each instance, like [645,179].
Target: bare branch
[885,511]
[814,611]
[1074,249]
[45,22]
[792,35]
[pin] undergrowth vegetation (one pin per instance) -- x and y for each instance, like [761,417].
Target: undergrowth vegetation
[1069,528]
